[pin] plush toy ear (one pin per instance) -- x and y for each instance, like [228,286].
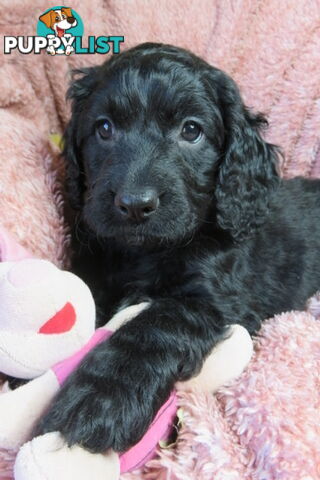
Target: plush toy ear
[80,89]
[248,174]
[47,19]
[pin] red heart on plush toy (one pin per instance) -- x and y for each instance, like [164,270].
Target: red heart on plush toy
[61,322]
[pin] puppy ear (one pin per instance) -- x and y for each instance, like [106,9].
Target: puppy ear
[248,172]
[67,11]
[46,18]
[82,85]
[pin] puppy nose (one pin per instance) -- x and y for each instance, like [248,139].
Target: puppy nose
[137,206]
[70,20]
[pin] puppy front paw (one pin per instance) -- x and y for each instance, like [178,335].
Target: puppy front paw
[98,417]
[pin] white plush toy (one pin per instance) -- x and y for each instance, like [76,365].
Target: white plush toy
[46,316]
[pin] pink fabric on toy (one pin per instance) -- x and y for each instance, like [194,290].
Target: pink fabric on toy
[160,429]
[64,368]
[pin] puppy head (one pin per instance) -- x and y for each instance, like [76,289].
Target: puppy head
[159,144]
[62,19]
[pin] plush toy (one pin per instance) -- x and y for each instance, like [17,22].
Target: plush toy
[47,315]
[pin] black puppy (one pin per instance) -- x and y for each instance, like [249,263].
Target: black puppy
[180,204]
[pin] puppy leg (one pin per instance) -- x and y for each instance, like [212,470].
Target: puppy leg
[112,398]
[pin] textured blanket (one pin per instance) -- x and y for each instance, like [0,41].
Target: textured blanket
[266,426]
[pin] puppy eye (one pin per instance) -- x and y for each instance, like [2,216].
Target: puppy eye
[191,132]
[57,19]
[105,130]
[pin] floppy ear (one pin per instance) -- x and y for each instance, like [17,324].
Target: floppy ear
[248,174]
[46,18]
[79,91]
[67,11]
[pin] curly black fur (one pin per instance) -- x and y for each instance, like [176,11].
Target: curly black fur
[229,242]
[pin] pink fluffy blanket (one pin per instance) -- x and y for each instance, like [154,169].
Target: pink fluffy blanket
[266,425]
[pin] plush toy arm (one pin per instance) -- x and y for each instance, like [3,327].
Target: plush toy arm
[225,363]
[20,409]
[47,458]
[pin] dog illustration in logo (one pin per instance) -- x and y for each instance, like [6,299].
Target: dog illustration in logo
[59,21]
